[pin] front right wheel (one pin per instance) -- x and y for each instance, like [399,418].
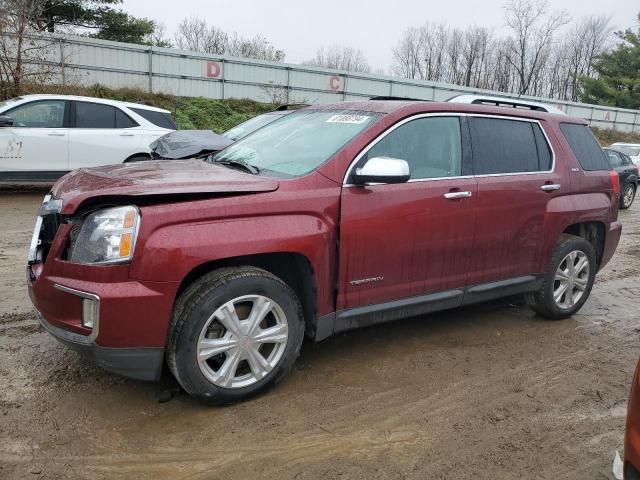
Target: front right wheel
[234,333]
[568,282]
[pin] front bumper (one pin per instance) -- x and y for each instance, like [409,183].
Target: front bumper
[130,317]
[137,363]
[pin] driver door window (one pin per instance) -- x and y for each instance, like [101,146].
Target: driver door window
[40,114]
[432,146]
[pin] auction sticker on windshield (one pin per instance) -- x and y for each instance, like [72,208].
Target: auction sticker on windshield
[344,118]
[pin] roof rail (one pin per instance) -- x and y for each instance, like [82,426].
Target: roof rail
[389,97]
[505,102]
[291,106]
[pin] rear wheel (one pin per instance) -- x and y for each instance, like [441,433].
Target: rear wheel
[628,194]
[569,280]
[234,333]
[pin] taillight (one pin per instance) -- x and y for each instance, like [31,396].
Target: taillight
[615,182]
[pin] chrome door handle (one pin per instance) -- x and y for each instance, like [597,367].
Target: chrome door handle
[455,195]
[551,187]
[56,134]
[126,134]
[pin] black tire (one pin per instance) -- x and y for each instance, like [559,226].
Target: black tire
[543,301]
[627,189]
[137,158]
[199,301]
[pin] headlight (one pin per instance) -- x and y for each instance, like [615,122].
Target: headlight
[107,236]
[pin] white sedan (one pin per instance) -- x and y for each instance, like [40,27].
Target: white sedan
[42,137]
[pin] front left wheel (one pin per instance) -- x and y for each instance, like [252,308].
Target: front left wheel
[234,333]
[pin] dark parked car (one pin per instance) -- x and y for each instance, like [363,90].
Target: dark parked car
[335,217]
[183,144]
[628,173]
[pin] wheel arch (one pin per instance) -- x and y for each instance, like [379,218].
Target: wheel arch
[295,269]
[137,154]
[592,231]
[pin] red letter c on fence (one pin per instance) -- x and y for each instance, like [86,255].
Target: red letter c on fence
[334,83]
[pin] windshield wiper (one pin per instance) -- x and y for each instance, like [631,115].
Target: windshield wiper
[236,163]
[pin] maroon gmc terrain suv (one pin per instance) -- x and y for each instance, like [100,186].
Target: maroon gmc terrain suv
[331,218]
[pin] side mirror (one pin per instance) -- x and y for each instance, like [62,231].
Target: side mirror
[382,170]
[6,121]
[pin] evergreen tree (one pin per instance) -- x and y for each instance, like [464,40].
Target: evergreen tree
[618,81]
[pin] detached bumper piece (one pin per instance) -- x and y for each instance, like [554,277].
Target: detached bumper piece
[136,363]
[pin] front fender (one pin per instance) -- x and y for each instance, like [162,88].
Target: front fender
[170,252]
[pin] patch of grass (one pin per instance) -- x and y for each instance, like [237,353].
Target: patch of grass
[607,136]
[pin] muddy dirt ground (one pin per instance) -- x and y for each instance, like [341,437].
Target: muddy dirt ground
[485,392]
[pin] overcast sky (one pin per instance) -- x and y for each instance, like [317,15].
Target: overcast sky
[300,27]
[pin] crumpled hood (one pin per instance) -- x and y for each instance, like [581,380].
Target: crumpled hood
[188,144]
[155,178]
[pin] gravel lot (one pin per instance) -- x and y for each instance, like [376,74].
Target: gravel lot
[490,392]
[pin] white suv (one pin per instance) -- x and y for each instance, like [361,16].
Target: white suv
[42,137]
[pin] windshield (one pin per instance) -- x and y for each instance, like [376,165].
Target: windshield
[299,142]
[250,126]
[631,151]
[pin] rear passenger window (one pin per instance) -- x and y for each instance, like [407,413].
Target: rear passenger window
[507,146]
[159,119]
[585,147]
[123,120]
[95,115]
[432,147]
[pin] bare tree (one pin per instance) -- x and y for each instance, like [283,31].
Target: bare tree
[158,38]
[580,46]
[475,54]
[22,55]
[340,57]
[255,47]
[534,31]
[433,43]
[195,34]
[540,57]
[407,61]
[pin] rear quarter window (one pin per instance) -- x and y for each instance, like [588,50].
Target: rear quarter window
[159,119]
[585,147]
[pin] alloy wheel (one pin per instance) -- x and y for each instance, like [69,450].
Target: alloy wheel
[571,279]
[628,196]
[242,342]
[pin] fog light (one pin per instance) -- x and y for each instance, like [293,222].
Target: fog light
[90,312]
